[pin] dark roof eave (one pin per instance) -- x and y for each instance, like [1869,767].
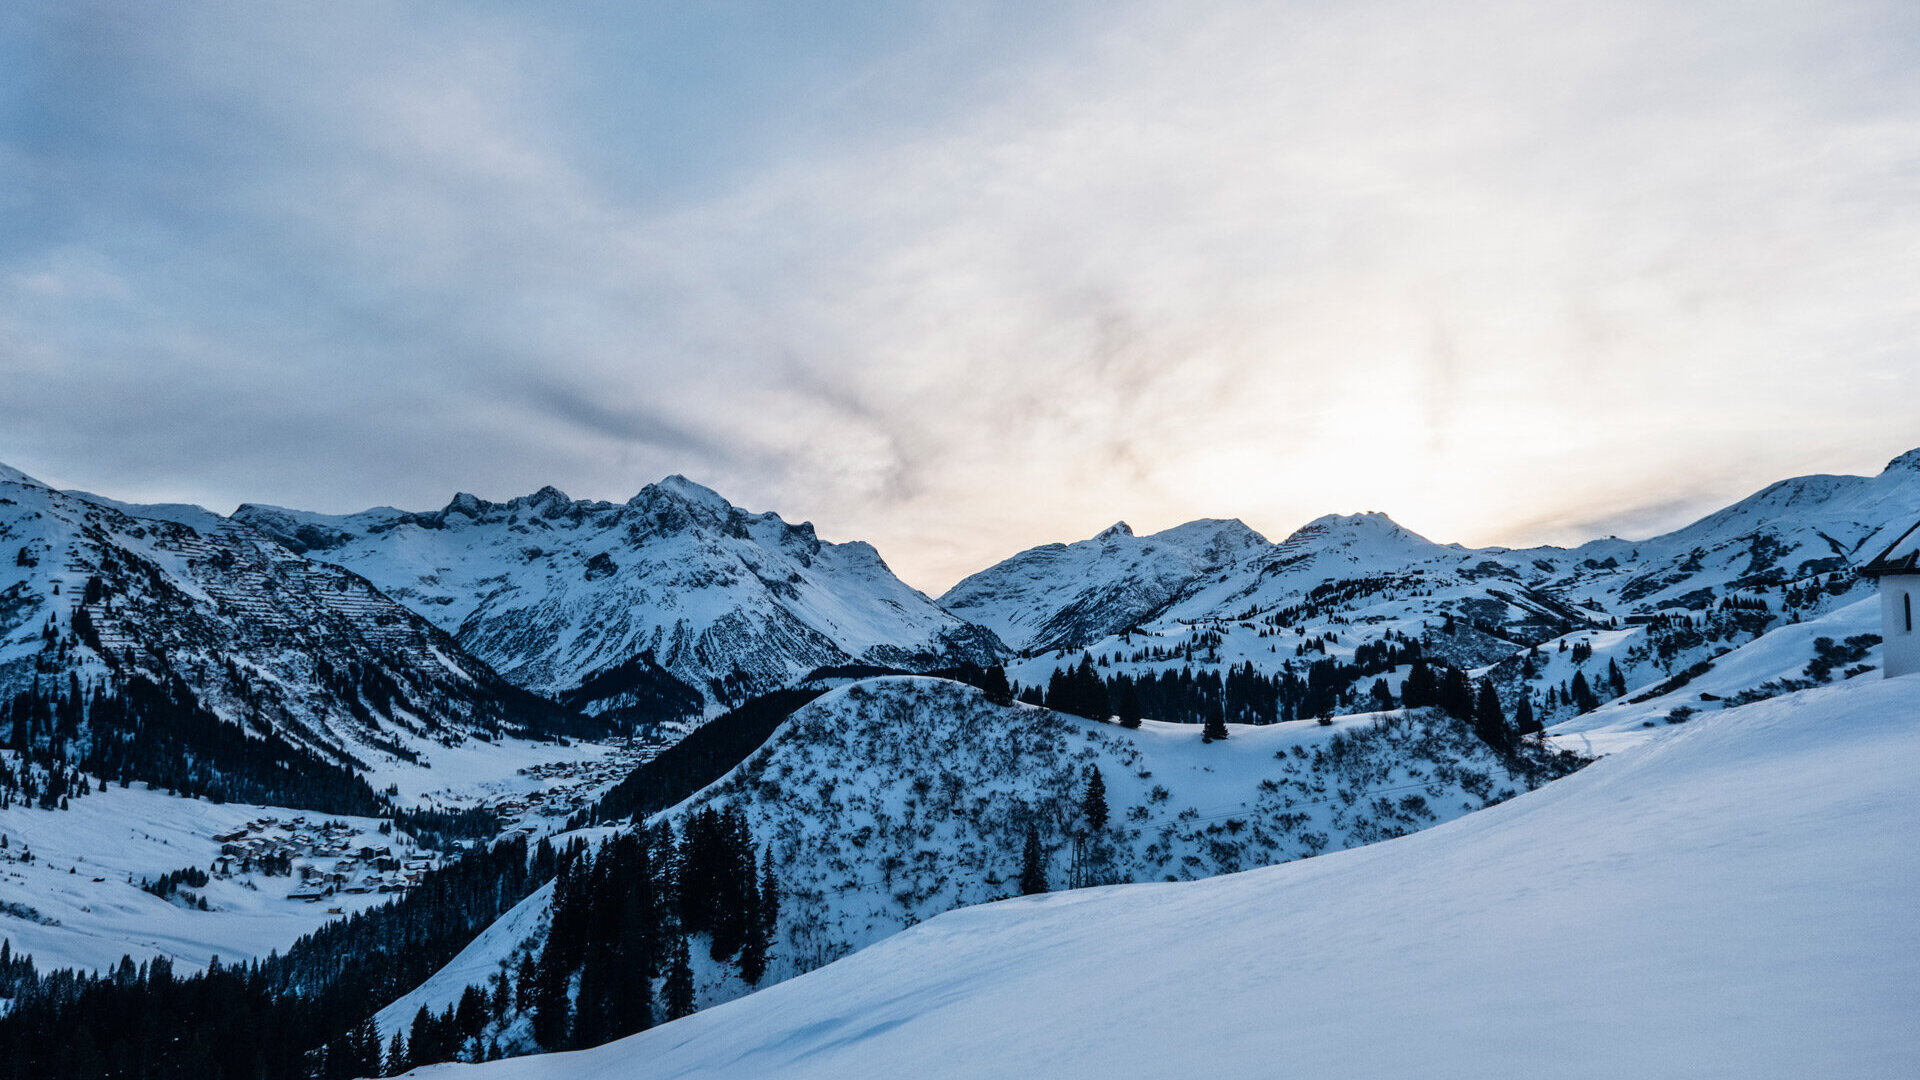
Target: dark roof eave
[1889,570]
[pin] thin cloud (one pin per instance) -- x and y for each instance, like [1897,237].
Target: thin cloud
[958,283]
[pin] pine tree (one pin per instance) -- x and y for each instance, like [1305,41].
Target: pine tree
[1129,703]
[1090,691]
[397,1059]
[1523,719]
[1216,726]
[1456,694]
[1616,681]
[1582,695]
[1489,721]
[1033,868]
[679,988]
[996,687]
[471,1015]
[1093,806]
[1419,690]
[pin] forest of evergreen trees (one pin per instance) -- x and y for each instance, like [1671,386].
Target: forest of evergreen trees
[649,694]
[702,757]
[1241,694]
[623,918]
[162,735]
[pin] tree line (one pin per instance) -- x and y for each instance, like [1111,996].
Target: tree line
[161,734]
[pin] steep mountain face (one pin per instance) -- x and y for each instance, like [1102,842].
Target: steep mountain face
[92,594]
[1063,595]
[561,595]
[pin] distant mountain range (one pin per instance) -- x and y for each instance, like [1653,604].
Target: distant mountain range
[1071,596]
[371,634]
[563,596]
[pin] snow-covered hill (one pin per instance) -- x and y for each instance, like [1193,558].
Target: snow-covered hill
[260,635]
[1731,899]
[889,801]
[554,592]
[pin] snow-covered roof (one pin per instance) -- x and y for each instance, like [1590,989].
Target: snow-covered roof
[1901,557]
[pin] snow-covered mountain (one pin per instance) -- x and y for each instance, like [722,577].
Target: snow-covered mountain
[1064,595]
[93,592]
[1733,899]
[560,594]
[1782,555]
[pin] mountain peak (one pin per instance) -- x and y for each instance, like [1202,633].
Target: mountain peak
[1366,523]
[697,494]
[9,474]
[467,503]
[1907,462]
[549,500]
[1118,528]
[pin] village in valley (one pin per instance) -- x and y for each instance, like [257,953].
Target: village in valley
[327,857]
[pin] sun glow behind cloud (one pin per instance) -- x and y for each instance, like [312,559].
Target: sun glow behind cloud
[1509,272]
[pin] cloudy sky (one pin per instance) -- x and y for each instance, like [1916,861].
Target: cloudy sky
[959,278]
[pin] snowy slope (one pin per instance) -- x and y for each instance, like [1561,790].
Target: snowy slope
[887,802]
[1734,899]
[552,591]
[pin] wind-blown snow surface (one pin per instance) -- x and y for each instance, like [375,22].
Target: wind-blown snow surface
[1733,900]
[550,590]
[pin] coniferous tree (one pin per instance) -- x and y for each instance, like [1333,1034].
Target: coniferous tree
[1582,695]
[1216,727]
[1490,721]
[1419,690]
[1616,680]
[679,988]
[1382,695]
[1129,704]
[1456,694]
[471,1014]
[996,687]
[1093,805]
[1033,866]
[397,1059]
[1523,719]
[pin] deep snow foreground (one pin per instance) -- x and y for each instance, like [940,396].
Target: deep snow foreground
[1735,899]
